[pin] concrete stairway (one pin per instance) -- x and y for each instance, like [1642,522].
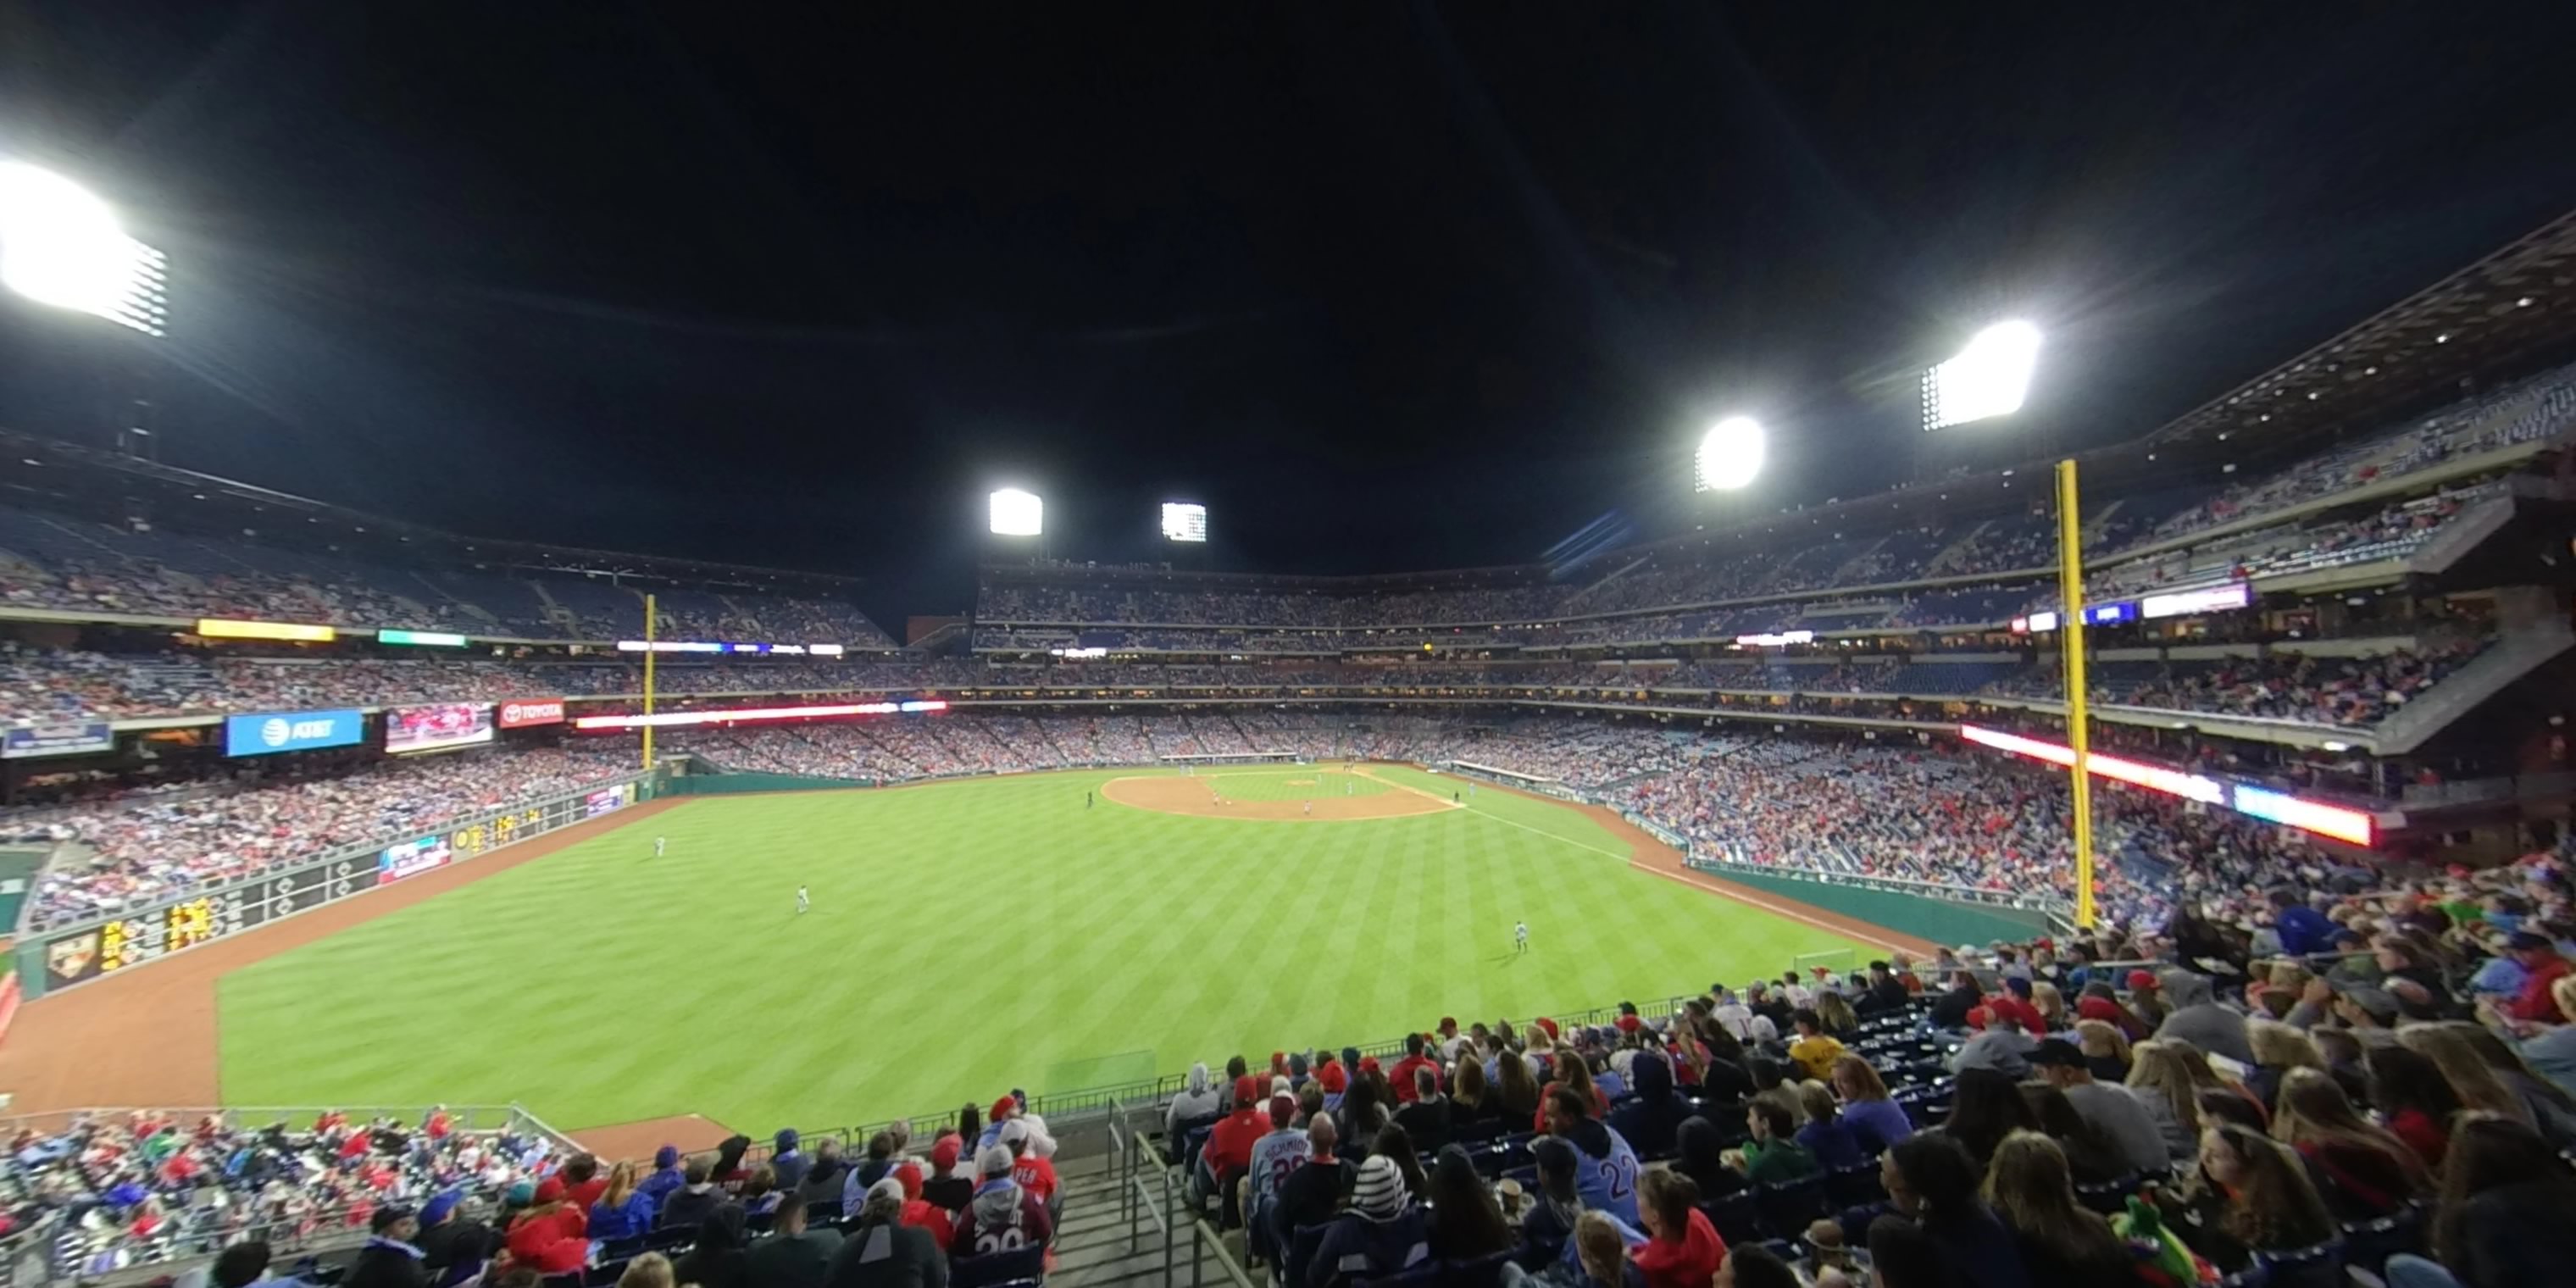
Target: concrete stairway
[1107,1240]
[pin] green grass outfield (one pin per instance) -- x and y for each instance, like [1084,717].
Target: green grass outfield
[966,938]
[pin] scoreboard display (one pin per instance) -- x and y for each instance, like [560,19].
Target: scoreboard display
[104,948]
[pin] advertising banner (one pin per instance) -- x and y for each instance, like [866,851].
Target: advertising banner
[601,802]
[292,731]
[520,713]
[71,739]
[411,858]
[437,726]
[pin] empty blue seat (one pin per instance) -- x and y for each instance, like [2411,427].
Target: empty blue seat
[1737,1218]
[1478,1272]
[1789,1206]
[1854,1185]
[2369,1244]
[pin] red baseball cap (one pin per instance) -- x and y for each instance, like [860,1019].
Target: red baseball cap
[943,1152]
[1246,1091]
[1003,1108]
[2141,979]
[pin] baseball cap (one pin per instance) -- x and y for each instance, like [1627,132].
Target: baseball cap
[550,1190]
[1246,1090]
[1014,1132]
[2057,1051]
[944,1151]
[667,1156]
[1002,1109]
[992,1160]
[2142,979]
[2377,1002]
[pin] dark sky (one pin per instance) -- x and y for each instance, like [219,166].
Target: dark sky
[1385,286]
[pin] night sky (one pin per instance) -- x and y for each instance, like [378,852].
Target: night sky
[1385,287]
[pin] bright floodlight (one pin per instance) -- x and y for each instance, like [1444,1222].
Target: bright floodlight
[1184,522]
[1730,454]
[1988,378]
[1017,513]
[61,245]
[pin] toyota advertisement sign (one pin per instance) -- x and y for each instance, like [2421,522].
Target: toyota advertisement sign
[267,735]
[520,713]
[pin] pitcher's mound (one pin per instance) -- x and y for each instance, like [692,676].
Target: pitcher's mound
[1190,796]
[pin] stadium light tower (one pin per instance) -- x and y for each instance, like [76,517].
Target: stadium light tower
[1729,456]
[1015,513]
[61,245]
[1989,378]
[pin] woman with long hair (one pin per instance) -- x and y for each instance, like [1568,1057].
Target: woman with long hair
[2161,1080]
[1876,1120]
[2256,1199]
[2029,1187]
[623,1211]
[1465,1221]
[2091,1157]
[1836,1016]
[1986,1108]
[1470,1100]
[1397,1144]
[1571,1071]
[2471,1079]
[2050,1003]
[2206,1077]
[1514,1089]
[2553,1111]
[2364,1171]
[2413,1098]
[2503,1218]
[2278,1048]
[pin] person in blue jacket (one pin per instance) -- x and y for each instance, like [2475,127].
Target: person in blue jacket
[665,1176]
[2303,930]
[624,1210]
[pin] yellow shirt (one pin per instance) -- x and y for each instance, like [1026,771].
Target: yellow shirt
[1816,1055]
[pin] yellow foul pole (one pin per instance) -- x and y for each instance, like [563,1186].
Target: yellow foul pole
[2070,634]
[649,617]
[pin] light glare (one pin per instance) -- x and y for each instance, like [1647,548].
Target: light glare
[1017,514]
[1730,455]
[61,245]
[1989,378]
[1184,522]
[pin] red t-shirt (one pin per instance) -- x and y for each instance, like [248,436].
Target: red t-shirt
[2534,1002]
[2007,1004]
[1402,1075]
[2421,1134]
[1230,1145]
[1687,1262]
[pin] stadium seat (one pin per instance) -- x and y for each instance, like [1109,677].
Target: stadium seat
[1425,1275]
[1737,1216]
[1479,1131]
[621,1249]
[1301,1251]
[2369,1244]
[1787,1207]
[1855,1185]
[1011,1265]
[1478,1272]
[823,1213]
[1186,1138]
[2110,1198]
[671,1237]
[2317,1267]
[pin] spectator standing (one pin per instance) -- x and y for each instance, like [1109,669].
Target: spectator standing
[786,1161]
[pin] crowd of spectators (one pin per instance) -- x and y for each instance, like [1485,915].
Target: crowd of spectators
[138,1187]
[2285,1090]
[2349,692]
[138,848]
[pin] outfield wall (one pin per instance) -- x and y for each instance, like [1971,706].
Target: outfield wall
[734,781]
[1924,916]
[50,961]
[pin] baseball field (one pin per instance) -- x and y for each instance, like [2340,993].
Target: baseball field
[1049,932]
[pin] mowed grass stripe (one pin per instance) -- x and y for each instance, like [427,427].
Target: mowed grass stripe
[965,939]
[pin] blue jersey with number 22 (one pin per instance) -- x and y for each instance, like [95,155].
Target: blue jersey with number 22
[1609,1183]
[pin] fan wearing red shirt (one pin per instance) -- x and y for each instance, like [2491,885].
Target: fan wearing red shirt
[2015,1002]
[1402,1074]
[1229,1146]
[1035,1174]
[1682,1249]
[582,1183]
[2542,967]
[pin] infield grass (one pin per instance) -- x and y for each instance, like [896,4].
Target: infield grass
[967,938]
